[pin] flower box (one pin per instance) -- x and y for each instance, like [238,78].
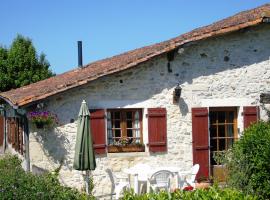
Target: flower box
[127,148]
[42,119]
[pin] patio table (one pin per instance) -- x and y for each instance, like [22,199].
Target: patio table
[135,172]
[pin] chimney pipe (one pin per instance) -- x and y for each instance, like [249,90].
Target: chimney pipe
[80,62]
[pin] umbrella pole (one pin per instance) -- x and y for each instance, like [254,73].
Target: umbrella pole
[87,182]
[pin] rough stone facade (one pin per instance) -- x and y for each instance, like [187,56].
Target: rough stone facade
[231,70]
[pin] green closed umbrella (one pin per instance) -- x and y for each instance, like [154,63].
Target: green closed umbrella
[84,159]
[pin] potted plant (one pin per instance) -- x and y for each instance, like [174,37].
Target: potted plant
[42,118]
[220,169]
[202,183]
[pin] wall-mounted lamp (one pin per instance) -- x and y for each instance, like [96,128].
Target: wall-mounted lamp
[177,93]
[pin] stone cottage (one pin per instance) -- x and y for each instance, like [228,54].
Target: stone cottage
[173,103]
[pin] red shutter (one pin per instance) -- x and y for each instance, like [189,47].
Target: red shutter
[200,141]
[97,123]
[2,130]
[157,129]
[13,132]
[251,115]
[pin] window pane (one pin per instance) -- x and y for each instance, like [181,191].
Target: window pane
[129,124]
[213,144]
[213,131]
[221,131]
[230,130]
[116,124]
[221,117]
[116,115]
[231,117]
[222,146]
[213,117]
[109,116]
[137,126]
[129,115]
[110,139]
[213,162]
[229,143]
[129,133]
[117,133]
[109,126]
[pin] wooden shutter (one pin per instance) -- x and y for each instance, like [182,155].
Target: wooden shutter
[20,136]
[97,124]
[157,129]
[12,131]
[2,127]
[251,115]
[8,130]
[200,140]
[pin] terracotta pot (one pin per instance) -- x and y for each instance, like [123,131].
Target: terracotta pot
[202,185]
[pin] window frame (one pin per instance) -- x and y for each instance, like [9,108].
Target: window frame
[123,123]
[234,123]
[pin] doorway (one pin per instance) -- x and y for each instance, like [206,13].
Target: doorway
[223,133]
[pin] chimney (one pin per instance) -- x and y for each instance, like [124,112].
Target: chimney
[80,62]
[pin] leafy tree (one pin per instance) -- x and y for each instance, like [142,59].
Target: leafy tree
[20,65]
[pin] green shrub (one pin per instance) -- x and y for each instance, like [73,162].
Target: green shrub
[15,183]
[249,161]
[213,193]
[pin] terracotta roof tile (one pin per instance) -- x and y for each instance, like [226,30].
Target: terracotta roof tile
[80,76]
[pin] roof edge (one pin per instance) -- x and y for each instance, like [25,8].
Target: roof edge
[9,102]
[217,33]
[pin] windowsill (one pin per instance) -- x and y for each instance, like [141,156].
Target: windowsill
[125,149]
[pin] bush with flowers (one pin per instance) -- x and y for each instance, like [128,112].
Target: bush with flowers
[122,142]
[42,118]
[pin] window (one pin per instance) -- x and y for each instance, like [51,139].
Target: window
[124,126]
[223,129]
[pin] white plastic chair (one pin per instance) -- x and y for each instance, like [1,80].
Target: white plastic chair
[119,184]
[160,180]
[142,176]
[189,180]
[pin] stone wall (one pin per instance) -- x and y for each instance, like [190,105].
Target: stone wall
[231,70]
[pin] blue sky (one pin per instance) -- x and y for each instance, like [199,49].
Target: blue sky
[106,27]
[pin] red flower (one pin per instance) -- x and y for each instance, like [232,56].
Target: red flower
[188,188]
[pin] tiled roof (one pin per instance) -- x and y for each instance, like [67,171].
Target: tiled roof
[80,76]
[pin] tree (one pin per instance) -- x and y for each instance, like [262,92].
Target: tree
[21,65]
[248,162]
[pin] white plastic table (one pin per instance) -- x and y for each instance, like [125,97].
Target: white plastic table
[135,172]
